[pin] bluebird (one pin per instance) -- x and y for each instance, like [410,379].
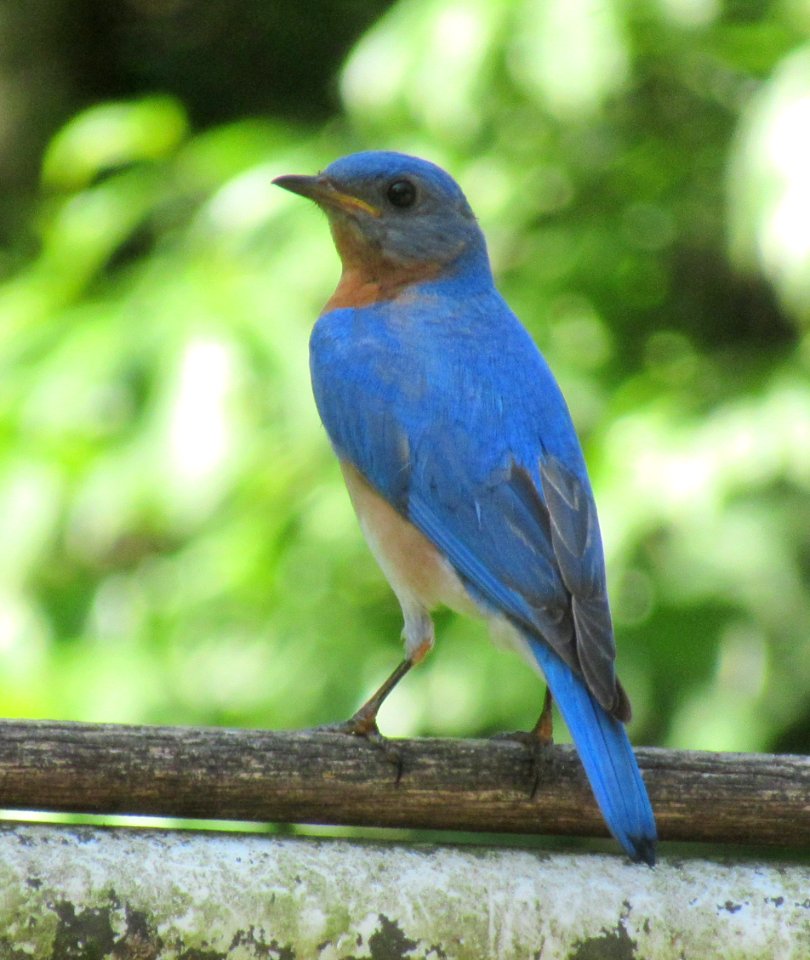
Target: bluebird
[460,457]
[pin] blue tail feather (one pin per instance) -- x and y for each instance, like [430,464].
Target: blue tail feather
[606,755]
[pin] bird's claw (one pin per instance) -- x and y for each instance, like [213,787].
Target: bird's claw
[365,726]
[356,726]
[541,756]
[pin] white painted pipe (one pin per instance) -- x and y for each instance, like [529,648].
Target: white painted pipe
[70,891]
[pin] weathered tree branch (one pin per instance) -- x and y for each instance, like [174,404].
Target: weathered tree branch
[328,778]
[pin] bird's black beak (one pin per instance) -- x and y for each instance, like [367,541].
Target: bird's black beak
[325,193]
[296,183]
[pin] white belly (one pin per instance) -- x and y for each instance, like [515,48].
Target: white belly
[420,576]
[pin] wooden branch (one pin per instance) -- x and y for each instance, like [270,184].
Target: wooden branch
[329,778]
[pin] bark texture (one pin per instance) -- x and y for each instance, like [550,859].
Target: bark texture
[329,778]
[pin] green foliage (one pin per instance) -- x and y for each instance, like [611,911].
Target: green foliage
[177,543]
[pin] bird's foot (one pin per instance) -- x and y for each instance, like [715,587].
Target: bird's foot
[527,737]
[539,741]
[364,724]
[361,724]
[541,754]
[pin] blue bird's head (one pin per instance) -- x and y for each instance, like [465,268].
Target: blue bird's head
[390,212]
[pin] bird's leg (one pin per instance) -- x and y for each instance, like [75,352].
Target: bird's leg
[543,730]
[541,733]
[364,722]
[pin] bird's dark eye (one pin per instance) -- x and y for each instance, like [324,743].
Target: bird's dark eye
[401,193]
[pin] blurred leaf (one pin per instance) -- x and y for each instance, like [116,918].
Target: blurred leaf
[112,135]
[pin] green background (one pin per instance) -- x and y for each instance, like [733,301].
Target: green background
[177,546]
